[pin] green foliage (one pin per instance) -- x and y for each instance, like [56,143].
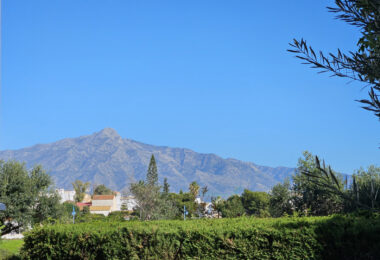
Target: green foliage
[68,208]
[116,216]
[80,190]
[166,186]
[362,65]
[102,190]
[184,199]
[250,203]
[280,200]
[48,207]
[86,210]
[151,203]
[232,207]
[334,237]
[367,187]
[26,196]
[217,204]
[318,190]
[88,218]
[194,189]
[152,174]
[147,197]
[256,203]
[312,188]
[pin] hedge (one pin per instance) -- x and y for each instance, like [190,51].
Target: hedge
[334,237]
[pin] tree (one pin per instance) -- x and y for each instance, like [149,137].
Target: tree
[194,189]
[151,203]
[147,199]
[255,203]
[362,65]
[318,191]
[217,204]
[26,196]
[367,187]
[80,190]
[204,190]
[232,207]
[326,190]
[184,199]
[102,190]
[280,201]
[86,210]
[68,209]
[152,174]
[166,186]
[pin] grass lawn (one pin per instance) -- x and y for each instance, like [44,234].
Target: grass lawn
[9,248]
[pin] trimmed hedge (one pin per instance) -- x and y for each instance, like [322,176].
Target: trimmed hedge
[334,237]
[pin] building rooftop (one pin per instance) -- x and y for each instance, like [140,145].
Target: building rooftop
[103,197]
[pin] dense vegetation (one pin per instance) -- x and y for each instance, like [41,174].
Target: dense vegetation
[314,190]
[27,197]
[333,237]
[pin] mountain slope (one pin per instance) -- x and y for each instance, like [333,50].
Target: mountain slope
[106,158]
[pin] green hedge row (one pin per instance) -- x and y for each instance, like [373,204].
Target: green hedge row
[335,237]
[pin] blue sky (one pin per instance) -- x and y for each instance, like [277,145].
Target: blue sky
[212,76]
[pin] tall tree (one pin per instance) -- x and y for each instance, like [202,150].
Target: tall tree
[217,204]
[166,186]
[80,190]
[26,196]
[194,189]
[280,201]
[152,174]
[367,187]
[204,190]
[363,65]
[313,187]
[151,203]
[147,198]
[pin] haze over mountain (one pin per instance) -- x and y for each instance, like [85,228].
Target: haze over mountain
[106,158]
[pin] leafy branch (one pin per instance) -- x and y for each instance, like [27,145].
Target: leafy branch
[362,65]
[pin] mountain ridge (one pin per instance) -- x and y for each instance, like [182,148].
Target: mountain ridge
[105,157]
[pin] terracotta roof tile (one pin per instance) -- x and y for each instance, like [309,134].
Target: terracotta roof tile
[103,197]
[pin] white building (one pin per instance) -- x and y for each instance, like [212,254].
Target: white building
[103,204]
[129,201]
[66,195]
[118,200]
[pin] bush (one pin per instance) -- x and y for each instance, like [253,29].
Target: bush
[335,237]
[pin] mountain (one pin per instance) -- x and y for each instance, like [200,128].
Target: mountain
[106,158]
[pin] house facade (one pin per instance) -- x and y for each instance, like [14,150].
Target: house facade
[103,204]
[66,195]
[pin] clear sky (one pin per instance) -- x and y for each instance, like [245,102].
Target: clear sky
[212,76]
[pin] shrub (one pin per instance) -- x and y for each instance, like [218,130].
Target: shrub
[335,237]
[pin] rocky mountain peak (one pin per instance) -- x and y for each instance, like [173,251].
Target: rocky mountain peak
[108,132]
[105,158]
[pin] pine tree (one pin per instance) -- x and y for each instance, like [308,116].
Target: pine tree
[166,186]
[152,175]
